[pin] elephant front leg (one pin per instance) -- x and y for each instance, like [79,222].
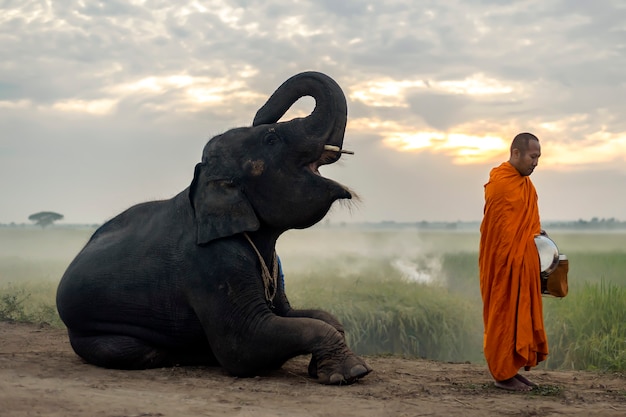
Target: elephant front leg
[319,315]
[268,340]
[335,363]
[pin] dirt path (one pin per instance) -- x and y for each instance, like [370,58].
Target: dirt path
[41,376]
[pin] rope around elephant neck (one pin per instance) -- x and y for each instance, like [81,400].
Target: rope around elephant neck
[270,281]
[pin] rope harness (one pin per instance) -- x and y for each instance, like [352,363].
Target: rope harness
[270,281]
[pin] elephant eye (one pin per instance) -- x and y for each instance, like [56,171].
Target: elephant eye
[271,138]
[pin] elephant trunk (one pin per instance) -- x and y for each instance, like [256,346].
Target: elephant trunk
[328,120]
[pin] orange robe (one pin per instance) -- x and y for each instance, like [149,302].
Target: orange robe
[514,336]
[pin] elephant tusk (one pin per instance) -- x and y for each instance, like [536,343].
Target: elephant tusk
[337,149]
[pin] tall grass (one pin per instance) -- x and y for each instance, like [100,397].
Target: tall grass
[588,328]
[384,313]
[396,292]
[29,303]
[27,290]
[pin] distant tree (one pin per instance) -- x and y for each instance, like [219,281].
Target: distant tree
[45,218]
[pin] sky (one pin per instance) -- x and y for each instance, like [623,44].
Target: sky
[106,104]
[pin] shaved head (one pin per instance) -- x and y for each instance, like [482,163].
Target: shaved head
[525,153]
[521,142]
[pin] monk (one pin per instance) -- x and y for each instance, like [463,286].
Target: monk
[510,284]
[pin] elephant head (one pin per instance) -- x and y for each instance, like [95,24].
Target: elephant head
[267,175]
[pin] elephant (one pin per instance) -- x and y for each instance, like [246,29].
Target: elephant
[193,280]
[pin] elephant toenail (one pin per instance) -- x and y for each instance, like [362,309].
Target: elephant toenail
[358,370]
[336,379]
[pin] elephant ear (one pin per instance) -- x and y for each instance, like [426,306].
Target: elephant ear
[220,207]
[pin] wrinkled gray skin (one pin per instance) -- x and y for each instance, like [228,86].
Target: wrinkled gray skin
[176,282]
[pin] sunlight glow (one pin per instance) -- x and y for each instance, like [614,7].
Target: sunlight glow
[566,123]
[145,84]
[19,104]
[185,93]
[192,85]
[596,148]
[192,91]
[482,141]
[95,107]
[463,148]
[477,84]
[206,94]
[387,92]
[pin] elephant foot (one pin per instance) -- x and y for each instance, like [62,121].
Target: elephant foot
[334,372]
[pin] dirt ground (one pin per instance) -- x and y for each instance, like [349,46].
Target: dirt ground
[41,376]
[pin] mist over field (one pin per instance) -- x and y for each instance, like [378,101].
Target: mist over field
[414,255]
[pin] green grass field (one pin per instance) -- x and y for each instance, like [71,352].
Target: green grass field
[403,292]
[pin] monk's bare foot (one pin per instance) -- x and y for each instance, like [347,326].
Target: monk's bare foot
[513,384]
[525,380]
